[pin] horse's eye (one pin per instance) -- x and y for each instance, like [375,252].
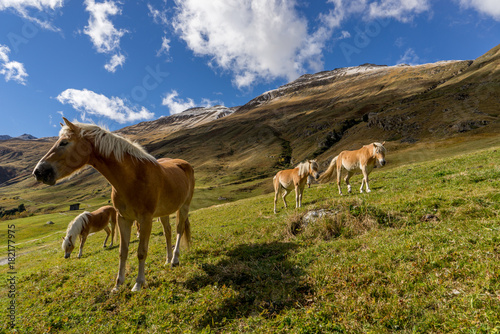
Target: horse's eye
[63,143]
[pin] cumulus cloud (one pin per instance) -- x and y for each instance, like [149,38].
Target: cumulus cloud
[177,105]
[102,32]
[487,7]
[89,102]
[256,39]
[24,7]
[11,70]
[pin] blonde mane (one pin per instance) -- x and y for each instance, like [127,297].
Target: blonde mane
[304,167]
[107,142]
[379,148]
[75,227]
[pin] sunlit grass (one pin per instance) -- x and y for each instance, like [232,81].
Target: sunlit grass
[418,254]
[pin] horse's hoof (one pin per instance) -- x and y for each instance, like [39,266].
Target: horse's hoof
[173,265]
[115,290]
[137,287]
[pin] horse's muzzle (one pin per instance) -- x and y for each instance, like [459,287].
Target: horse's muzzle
[45,173]
[382,162]
[67,255]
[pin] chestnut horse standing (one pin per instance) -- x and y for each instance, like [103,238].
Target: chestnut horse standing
[143,187]
[288,179]
[86,223]
[363,159]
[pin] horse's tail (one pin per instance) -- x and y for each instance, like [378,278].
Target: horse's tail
[330,172]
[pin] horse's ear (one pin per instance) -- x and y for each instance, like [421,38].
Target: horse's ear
[383,143]
[61,124]
[63,238]
[72,126]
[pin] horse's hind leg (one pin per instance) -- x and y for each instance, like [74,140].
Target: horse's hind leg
[285,193]
[183,232]
[346,179]
[142,251]
[339,179]
[167,231]
[108,232]
[277,191]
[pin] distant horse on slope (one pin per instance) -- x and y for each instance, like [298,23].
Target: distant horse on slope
[86,223]
[143,187]
[288,179]
[363,159]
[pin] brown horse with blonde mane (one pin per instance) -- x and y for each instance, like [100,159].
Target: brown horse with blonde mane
[86,223]
[288,179]
[363,159]
[143,187]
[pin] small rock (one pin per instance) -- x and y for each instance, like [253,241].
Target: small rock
[429,217]
[50,222]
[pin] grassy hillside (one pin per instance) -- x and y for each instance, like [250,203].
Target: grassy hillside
[419,254]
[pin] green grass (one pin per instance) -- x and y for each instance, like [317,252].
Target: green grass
[374,266]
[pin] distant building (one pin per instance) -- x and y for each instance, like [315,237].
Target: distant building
[74,207]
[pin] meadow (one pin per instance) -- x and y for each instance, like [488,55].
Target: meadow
[420,254]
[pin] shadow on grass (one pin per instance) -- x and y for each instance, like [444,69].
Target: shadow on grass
[265,282]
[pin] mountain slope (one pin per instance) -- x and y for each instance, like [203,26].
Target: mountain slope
[316,116]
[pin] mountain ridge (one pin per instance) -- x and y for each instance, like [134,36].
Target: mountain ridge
[315,116]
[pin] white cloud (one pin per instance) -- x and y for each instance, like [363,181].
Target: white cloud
[114,62]
[23,7]
[258,40]
[86,101]
[102,32]
[410,57]
[165,47]
[158,16]
[176,105]
[401,10]
[12,70]
[488,7]
[254,40]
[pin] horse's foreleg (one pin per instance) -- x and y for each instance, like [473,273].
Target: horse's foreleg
[167,231]
[125,226]
[108,232]
[298,196]
[83,238]
[142,251]
[365,181]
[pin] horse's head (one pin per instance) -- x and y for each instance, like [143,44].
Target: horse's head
[67,245]
[313,169]
[70,153]
[379,153]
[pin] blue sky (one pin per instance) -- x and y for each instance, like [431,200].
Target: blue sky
[117,63]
